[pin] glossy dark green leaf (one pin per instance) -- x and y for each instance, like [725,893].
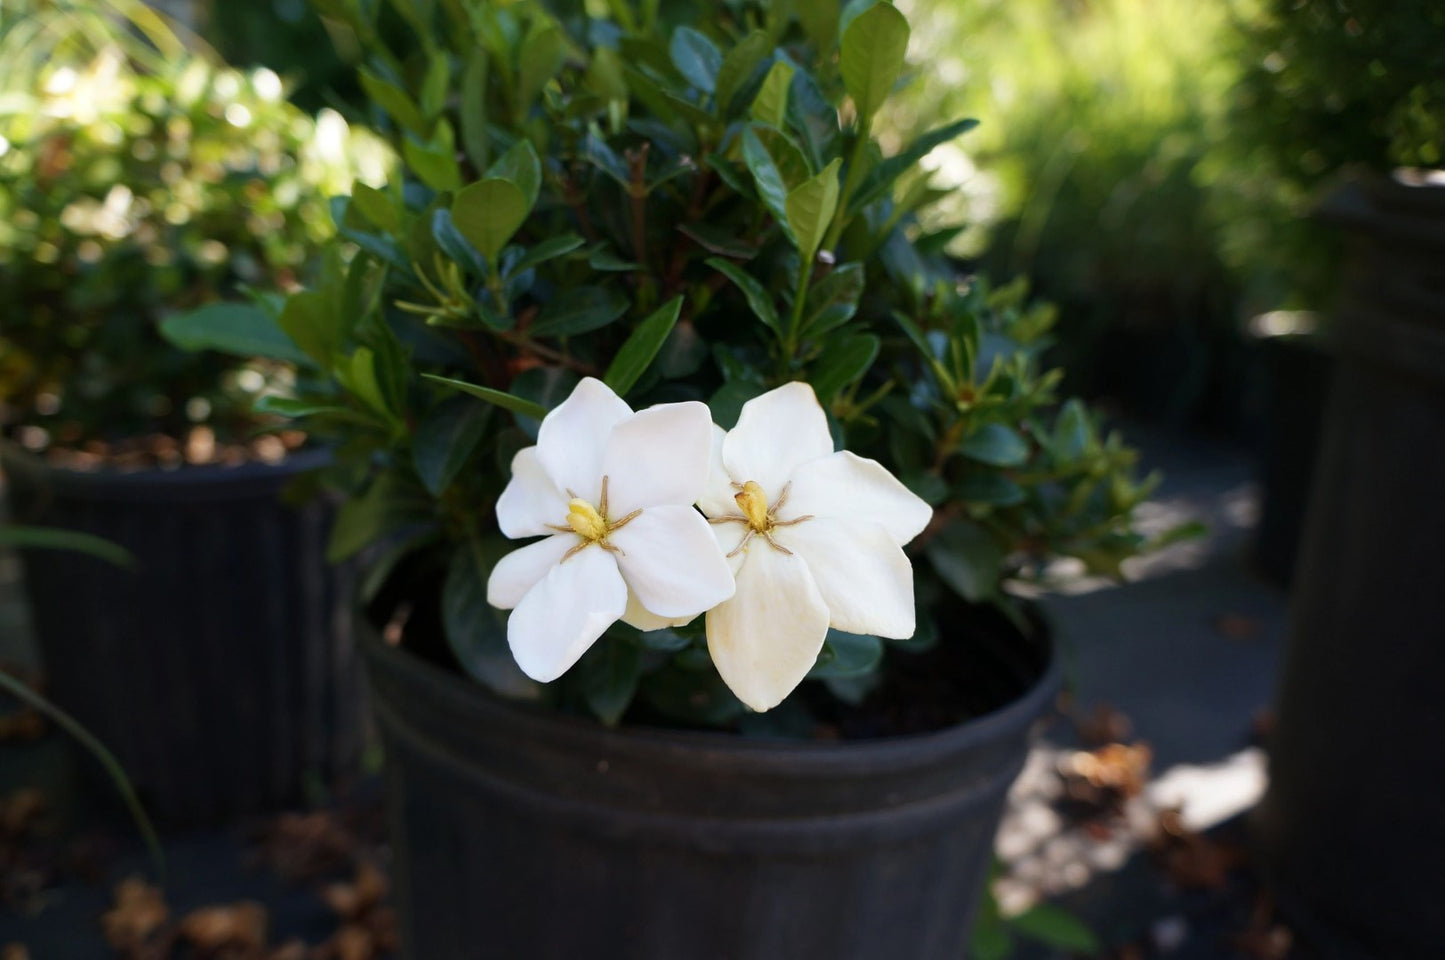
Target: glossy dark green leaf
[820,23]
[457,248]
[754,292]
[520,167]
[18,537]
[498,398]
[847,655]
[873,49]
[311,323]
[770,106]
[738,67]
[445,438]
[549,249]
[638,351]
[968,559]
[777,165]
[488,213]
[997,445]
[727,403]
[877,181]
[434,161]
[477,631]
[579,310]
[696,57]
[810,208]
[719,240]
[993,489]
[476,139]
[1057,928]
[541,57]
[833,300]
[395,102]
[545,387]
[240,329]
[608,674]
[813,119]
[841,363]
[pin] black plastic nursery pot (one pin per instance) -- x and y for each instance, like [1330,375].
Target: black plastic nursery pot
[522,833]
[1352,828]
[221,672]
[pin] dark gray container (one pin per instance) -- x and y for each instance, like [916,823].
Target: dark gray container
[521,833]
[221,672]
[1352,828]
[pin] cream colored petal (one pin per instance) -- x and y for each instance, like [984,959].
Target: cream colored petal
[658,456]
[729,537]
[776,433]
[767,637]
[862,573]
[717,497]
[644,619]
[670,560]
[520,570]
[531,500]
[573,437]
[845,486]
[563,615]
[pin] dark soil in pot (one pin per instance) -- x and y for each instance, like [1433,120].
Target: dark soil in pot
[522,832]
[221,672]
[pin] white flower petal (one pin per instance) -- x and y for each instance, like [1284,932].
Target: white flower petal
[520,570]
[658,456]
[644,619]
[564,614]
[729,536]
[776,433]
[531,500]
[671,561]
[717,497]
[574,435]
[848,487]
[767,637]
[861,571]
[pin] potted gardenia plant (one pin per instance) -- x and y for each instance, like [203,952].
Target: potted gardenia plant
[137,182]
[648,296]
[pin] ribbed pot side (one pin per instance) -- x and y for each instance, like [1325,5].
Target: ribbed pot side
[522,833]
[222,672]
[1352,829]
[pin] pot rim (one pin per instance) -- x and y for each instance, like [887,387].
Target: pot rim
[189,482]
[816,756]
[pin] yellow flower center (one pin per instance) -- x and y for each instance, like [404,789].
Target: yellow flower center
[585,521]
[753,502]
[591,523]
[760,518]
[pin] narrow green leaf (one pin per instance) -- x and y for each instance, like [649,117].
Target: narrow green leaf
[718,239]
[1073,433]
[51,538]
[637,353]
[445,438]
[358,374]
[434,161]
[311,323]
[968,559]
[541,57]
[696,58]
[475,138]
[820,24]
[995,444]
[810,208]
[496,397]
[777,165]
[434,87]
[395,102]
[376,206]
[609,673]
[770,106]
[1057,928]
[753,291]
[738,66]
[579,310]
[833,300]
[20,691]
[881,177]
[814,118]
[452,243]
[488,213]
[873,50]
[477,631]
[846,655]
[549,249]
[842,363]
[520,166]
[241,329]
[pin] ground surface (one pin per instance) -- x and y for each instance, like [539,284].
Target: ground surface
[1168,675]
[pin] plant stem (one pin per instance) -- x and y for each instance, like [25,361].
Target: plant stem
[850,183]
[526,343]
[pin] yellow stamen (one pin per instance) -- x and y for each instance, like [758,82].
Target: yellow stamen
[753,502]
[585,521]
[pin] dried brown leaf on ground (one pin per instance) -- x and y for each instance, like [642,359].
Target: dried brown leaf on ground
[368,924]
[1191,860]
[20,810]
[140,911]
[1098,783]
[15,951]
[307,846]
[239,926]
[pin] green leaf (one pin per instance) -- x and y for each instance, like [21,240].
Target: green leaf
[475,138]
[548,249]
[579,310]
[881,177]
[968,559]
[520,167]
[376,206]
[311,323]
[843,362]
[357,373]
[22,692]
[813,117]
[477,631]
[727,403]
[1073,433]
[496,397]
[541,57]
[770,106]
[777,165]
[810,208]
[434,87]
[488,213]
[874,47]
[820,24]
[997,445]
[738,66]
[51,538]
[361,521]
[545,387]
[394,101]
[434,161]
[833,300]
[696,58]
[990,488]
[242,329]
[446,438]
[457,247]
[638,351]
[718,239]
[608,674]
[757,297]
[1057,928]
[847,655]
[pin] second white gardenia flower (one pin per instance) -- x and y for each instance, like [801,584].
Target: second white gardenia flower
[612,491]
[815,539]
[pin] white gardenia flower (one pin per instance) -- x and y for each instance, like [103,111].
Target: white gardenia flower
[613,492]
[815,539]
